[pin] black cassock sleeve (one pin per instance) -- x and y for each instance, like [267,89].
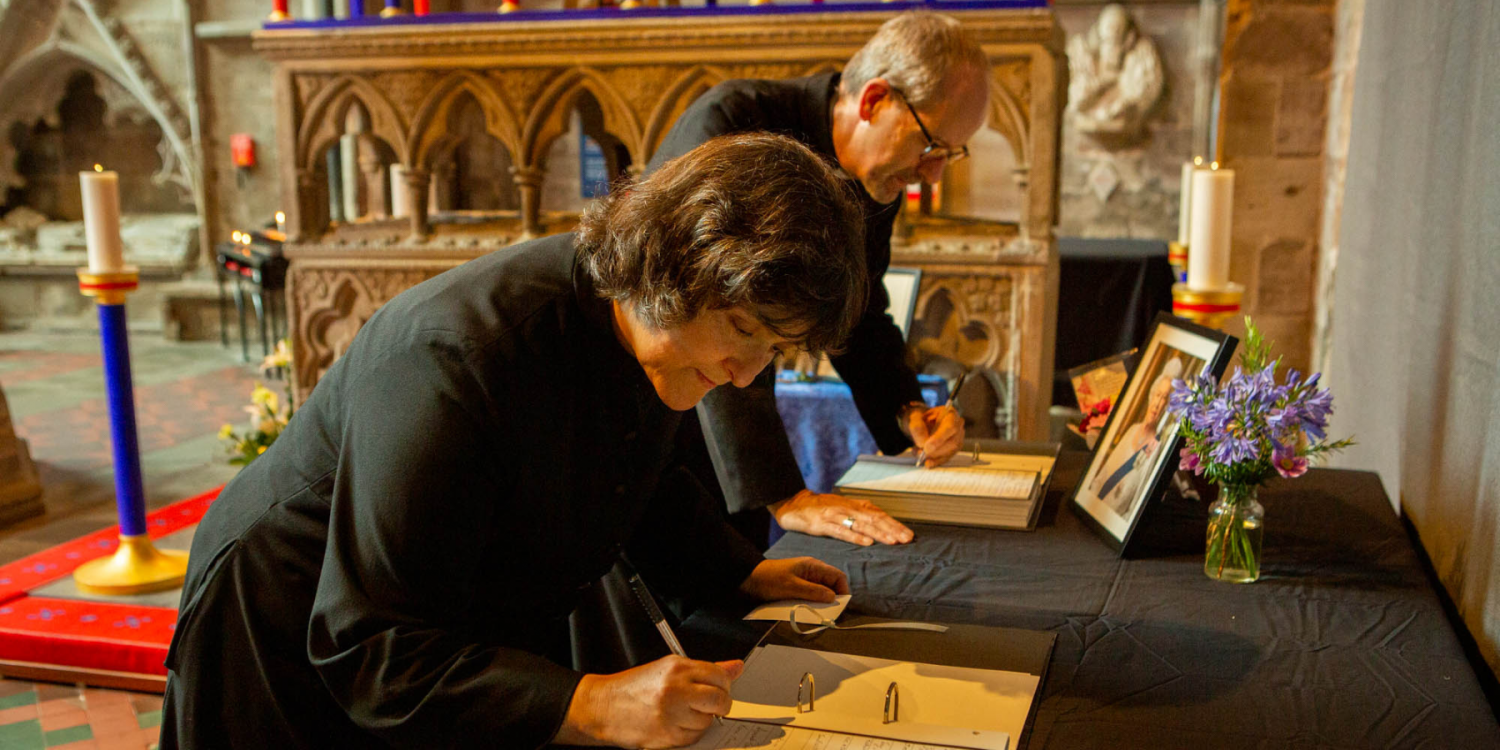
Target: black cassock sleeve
[416,495]
[684,547]
[874,362]
[752,457]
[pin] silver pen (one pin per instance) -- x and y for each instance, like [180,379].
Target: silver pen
[957,385]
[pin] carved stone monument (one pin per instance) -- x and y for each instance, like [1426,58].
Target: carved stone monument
[988,295]
[20,490]
[1115,76]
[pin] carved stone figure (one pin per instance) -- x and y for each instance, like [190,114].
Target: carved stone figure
[1116,76]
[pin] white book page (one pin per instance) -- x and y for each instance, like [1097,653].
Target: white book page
[998,461]
[963,481]
[744,735]
[850,696]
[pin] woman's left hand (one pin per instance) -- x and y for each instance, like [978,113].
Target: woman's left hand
[796,578]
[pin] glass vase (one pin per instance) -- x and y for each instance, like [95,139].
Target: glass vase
[1235,524]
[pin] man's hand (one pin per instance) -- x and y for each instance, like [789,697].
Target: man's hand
[938,432]
[795,578]
[667,703]
[824,515]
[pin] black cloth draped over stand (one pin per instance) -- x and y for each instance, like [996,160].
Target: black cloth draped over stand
[1108,292]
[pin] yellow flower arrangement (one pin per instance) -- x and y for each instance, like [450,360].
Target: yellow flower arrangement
[268,415]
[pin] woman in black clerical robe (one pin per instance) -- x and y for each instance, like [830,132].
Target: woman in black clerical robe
[397,570]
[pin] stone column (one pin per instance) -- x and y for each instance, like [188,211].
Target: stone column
[309,213]
[416,184]
[372,172]
[440,190]
[529,183]
[1273,114]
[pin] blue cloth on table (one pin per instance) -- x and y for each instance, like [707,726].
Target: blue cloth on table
[825,428]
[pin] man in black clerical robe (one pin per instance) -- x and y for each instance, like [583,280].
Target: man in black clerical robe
[903,107]
[397,570]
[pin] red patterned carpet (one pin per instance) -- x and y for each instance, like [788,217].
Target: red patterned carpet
[53,382]
[64,635]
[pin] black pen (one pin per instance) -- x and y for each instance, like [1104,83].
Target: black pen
[957,384]
[643,595]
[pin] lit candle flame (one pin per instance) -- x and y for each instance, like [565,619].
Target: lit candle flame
[1215,165]
[1197,161]
[98,167]
[236,235]
[280,216]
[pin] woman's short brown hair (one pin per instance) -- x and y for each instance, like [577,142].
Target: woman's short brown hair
[752,220]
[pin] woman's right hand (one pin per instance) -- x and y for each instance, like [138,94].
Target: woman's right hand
[667,703]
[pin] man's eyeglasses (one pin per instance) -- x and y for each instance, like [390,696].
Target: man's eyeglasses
[934,150]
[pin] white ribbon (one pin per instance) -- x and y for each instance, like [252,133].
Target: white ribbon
[824,623]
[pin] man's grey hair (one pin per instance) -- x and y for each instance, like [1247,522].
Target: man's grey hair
[916,52]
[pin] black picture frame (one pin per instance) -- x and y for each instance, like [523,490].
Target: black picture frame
[1112,496]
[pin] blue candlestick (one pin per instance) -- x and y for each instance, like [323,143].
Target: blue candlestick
[137,566]
[356,8]
[130,495]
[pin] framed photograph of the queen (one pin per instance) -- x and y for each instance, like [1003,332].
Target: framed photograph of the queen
[1137,453]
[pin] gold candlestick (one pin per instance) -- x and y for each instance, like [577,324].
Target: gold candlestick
[1211,307]
[1177,255]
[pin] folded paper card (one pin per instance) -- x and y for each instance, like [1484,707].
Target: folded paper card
[780,611]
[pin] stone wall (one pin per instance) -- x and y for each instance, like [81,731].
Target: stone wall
[1272,125]
[236,98]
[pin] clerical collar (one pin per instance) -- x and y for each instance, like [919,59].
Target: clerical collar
[820,110]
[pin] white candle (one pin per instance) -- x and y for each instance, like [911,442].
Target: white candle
[1208,242]
[349,168]
[400,193]
[1185,200]
[101,220]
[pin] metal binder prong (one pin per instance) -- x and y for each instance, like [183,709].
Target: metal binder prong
[811,686]
[892,704]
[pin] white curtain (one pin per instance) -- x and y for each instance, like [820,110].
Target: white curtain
[1415,327]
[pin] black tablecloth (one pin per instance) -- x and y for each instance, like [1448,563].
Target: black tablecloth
[1108,292]
[1342,643]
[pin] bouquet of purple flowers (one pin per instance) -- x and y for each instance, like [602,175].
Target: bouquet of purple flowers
[1239,434]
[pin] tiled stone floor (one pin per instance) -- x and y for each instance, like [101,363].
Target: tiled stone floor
[55,387]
